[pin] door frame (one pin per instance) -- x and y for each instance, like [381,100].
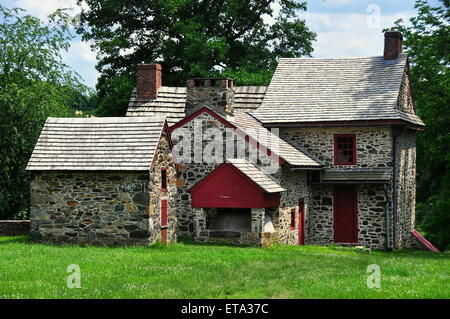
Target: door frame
[354,190]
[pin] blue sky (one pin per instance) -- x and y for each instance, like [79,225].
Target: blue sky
[343,27]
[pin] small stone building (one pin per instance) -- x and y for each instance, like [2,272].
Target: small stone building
[107,181]
[325,154]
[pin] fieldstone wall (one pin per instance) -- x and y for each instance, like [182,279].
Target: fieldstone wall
[251,238]
[163,159]
[189,174]
[321,216]
[371,216]
[406,187]
[14,227]
[373,144]
[405,102]
[295,183]
[95,208]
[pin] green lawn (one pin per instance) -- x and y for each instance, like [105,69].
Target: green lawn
[187,270]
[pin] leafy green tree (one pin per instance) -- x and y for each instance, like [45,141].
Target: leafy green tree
[427,41]
[34,84]
[190,38]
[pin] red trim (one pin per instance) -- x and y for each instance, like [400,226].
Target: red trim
[422,240]
[335,147]
[238,131]
[243,192]
[164,221]
[197,113]
[301,221]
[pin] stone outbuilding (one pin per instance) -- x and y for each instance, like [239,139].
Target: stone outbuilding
[324,155]
[107,181]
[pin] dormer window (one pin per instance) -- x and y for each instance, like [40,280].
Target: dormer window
[345,149]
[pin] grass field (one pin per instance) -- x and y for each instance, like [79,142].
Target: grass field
[188,270]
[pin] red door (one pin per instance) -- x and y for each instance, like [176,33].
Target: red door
[345,210]
[164,221]
[301,222]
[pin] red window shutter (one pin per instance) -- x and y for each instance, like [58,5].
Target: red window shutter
[163,212]
[164,179]
[344,149]
[292,219]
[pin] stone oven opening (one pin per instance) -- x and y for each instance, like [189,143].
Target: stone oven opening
[223,222]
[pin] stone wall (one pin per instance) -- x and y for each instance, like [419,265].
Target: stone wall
[295,183]
[250,238]
[14,227]
[373,144]
[371,216]
[321,216]
[163,159]
[95,208]
[405,102]
[406,187]
[189,174]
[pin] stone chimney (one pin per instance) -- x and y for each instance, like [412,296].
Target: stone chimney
[393,45]
[215,93]
[148,80]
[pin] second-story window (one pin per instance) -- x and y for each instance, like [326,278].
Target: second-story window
[344,149]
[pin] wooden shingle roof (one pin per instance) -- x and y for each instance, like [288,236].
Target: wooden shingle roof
[347,89]
[273,142]
[171,101]
[108,143]
[257,176]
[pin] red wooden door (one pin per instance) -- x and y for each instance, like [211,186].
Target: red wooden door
[345,210]
[301,222]
[164,221]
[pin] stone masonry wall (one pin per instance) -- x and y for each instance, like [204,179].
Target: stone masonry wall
[163,159]
[406,187]
[251,238]
[189,174]
[371,216]
[296,188]
[405,102]
[95,208]
[373,144]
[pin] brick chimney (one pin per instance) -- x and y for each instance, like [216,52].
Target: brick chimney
[215,93]
[148,80]
[393,45]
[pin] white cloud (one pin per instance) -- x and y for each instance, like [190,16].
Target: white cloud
[336,3]
[349,34]
[42,8]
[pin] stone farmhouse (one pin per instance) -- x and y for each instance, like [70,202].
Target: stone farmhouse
[325,154]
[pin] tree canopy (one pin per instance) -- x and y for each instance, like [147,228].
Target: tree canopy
[34,84]
[190,38]
[427,42]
